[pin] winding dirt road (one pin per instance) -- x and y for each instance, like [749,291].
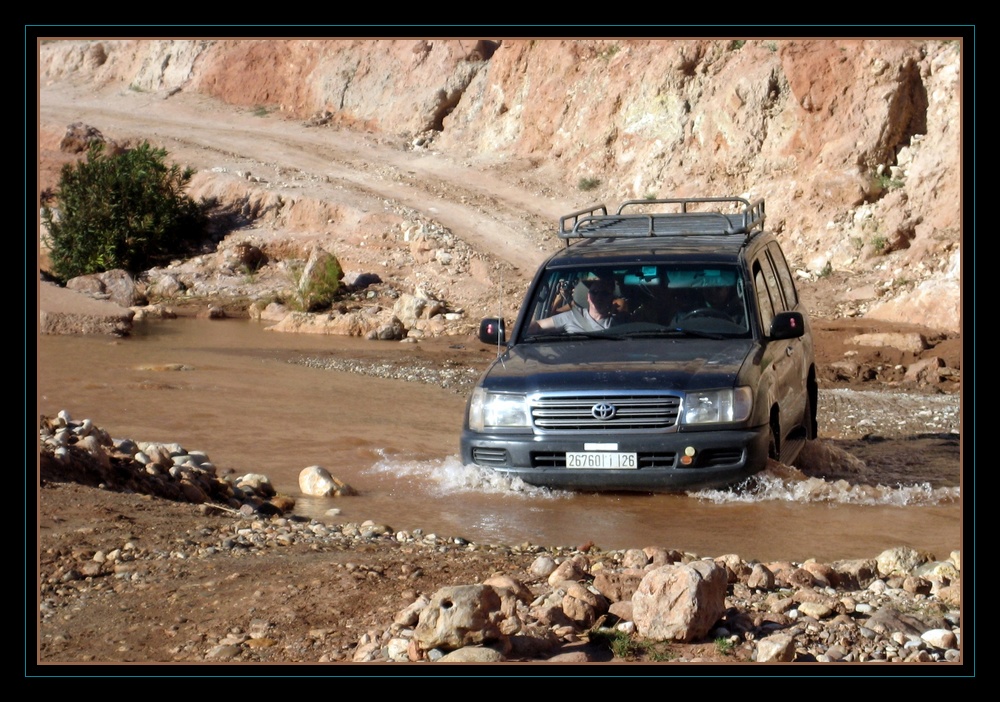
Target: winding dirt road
[477,201]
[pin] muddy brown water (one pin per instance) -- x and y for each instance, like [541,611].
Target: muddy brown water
[231,389]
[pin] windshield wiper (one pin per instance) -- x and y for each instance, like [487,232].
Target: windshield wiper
[647,334]
[572,336]
[700,334]
[550,337]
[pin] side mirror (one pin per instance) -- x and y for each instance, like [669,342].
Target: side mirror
[787,325]
[492,330]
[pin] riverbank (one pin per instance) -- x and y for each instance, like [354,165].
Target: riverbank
[154,580]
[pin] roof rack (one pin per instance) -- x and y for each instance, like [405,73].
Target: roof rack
[676,219]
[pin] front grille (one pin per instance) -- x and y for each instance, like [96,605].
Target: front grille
[633,412]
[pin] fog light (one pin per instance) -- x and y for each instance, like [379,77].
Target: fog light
[688,457]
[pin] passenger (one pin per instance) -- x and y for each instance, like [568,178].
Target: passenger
[563,299]
[599,314]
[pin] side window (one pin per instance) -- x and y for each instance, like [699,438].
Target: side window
[784,275]
[546,297]
[771,280]
[765,307]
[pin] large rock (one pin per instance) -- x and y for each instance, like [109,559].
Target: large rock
[680,602]
[320,278]
[62,311]
[371,323]
[316,481]
[114,285]
[461,615]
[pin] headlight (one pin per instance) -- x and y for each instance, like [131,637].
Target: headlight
[715,406]
[488,410]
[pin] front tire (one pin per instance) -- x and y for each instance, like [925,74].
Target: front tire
[773,442]
[812,423]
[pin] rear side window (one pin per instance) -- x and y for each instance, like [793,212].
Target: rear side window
[764,304]
[784,275]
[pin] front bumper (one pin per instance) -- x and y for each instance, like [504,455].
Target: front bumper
[720,458]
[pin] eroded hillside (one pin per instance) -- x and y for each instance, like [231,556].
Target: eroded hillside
[854,144]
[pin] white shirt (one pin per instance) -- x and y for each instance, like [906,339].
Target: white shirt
[577,320]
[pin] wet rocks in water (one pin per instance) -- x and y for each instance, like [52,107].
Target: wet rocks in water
[316,481]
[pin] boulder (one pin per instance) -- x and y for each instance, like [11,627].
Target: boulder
[459,616]
[316,481]
[63,311]
[680,602]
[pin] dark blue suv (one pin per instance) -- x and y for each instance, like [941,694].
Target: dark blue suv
[664,348]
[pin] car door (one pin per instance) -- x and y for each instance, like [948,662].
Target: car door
[784,357]
[802,346]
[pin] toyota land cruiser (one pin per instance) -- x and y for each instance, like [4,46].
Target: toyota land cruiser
[665,348]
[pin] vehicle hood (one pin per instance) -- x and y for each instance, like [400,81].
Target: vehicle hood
[627,364]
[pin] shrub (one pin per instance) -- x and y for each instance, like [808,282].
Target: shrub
[125,210]
[886,182]
[586,184]
[724,646]
[609,52]
[626,647]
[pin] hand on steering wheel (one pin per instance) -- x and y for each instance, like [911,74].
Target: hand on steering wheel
[704,312]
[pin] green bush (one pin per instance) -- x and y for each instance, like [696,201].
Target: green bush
[625,647]
[724,646]
[125,210]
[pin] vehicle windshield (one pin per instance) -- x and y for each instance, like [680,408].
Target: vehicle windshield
[639,301]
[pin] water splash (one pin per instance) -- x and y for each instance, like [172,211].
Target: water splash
[781,482]
[778,482]
[449,475]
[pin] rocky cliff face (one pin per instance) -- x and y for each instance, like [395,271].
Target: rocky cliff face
[854,144]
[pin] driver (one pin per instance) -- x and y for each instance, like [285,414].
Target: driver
[722,298]
[599,314]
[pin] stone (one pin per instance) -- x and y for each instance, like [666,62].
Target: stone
[458,616]
[777,648]
[680,602]
[316,481]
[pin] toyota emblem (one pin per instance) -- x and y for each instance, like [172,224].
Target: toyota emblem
[603,410]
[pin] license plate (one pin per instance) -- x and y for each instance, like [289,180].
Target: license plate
[600,459]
